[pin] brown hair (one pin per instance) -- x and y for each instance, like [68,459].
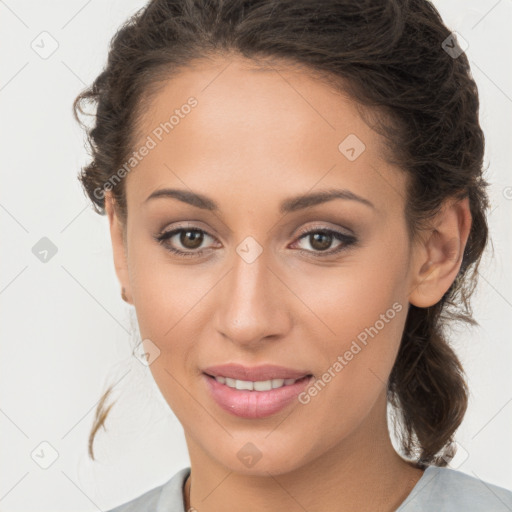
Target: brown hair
[389,56]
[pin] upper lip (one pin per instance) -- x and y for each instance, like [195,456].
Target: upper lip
[254,373]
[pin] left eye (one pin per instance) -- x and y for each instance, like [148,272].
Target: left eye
[321,240]
[192,238]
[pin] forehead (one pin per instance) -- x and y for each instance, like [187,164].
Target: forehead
[257,131]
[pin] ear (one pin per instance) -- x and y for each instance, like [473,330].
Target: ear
[118,246]
[438,257]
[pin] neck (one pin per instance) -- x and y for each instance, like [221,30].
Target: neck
[363,472]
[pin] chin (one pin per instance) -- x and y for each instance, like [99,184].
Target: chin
[259,458]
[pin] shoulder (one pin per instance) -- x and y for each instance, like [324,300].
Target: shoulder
[168,496]
[447,489]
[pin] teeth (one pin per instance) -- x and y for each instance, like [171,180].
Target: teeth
[261,385]
[244,384]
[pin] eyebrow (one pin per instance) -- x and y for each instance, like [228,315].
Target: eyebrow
[289,205]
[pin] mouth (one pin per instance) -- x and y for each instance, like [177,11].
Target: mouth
[255,399]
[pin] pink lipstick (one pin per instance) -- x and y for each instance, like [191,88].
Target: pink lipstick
[255,392]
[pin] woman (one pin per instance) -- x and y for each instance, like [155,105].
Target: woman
[296,205]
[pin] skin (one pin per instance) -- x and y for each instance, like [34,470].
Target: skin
[255,138]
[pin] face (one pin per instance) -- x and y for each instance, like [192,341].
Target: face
[321,288]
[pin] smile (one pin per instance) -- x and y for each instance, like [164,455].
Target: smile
[255,399]
[260,385]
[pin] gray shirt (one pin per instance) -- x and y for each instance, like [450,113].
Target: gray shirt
[439,490]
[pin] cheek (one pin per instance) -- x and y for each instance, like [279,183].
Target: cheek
[167,302]
[356,295]
[362,311]
[162,292]
[170,305]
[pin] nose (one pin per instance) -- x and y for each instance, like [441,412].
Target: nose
[253,304]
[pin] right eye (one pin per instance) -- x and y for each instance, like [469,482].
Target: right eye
[190,238]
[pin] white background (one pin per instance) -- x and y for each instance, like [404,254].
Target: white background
[65,331]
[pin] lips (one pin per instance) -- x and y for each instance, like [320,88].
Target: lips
[243,401]
[255,373]
[252,404]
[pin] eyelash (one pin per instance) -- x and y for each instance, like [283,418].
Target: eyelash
[348,240]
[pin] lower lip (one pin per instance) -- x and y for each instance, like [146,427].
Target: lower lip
[254,404]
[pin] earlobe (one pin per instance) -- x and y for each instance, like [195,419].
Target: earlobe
[438,258]
[118,248]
